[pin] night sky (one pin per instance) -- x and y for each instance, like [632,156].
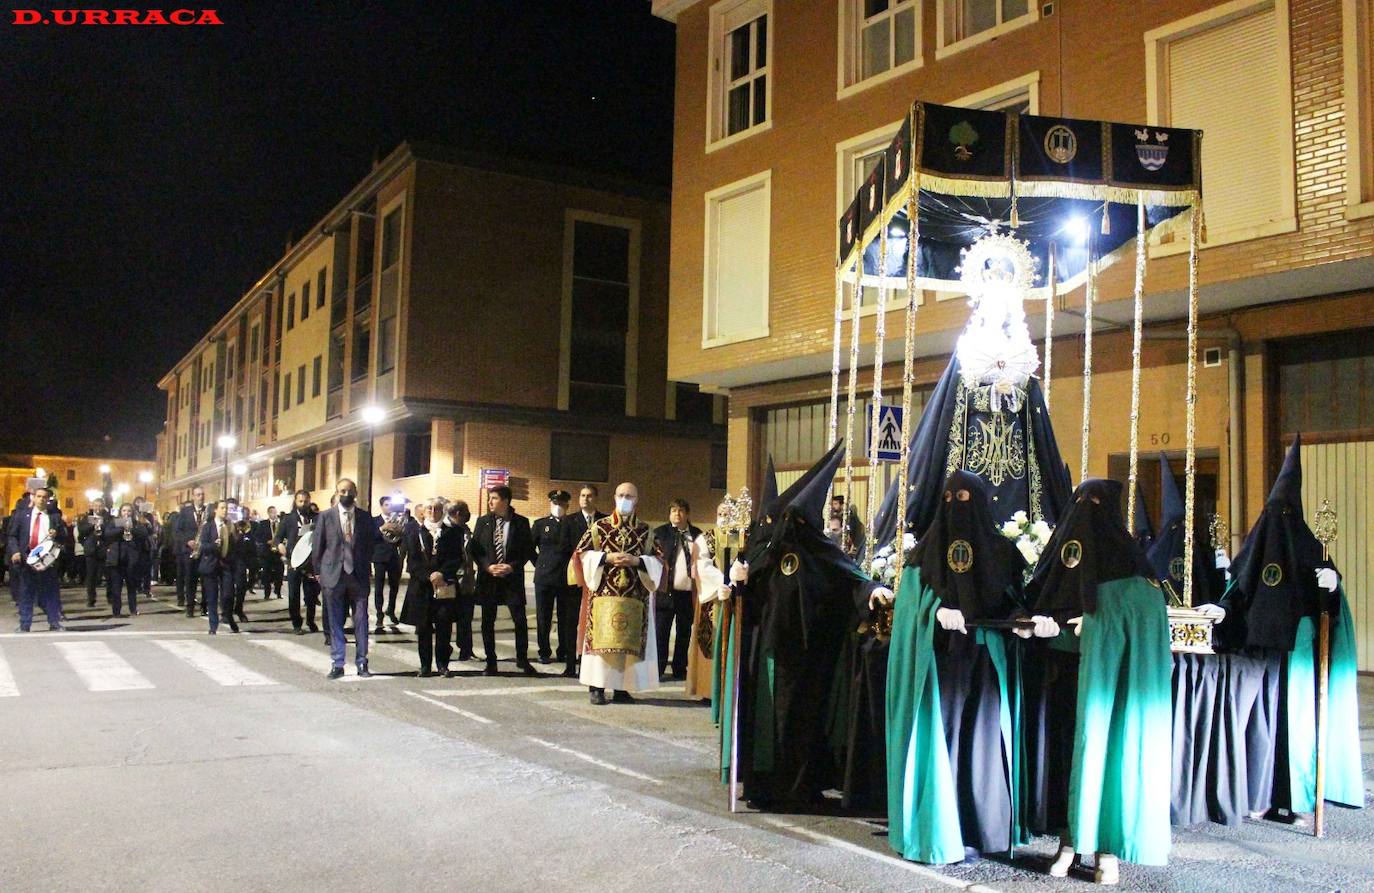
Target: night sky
[151,175]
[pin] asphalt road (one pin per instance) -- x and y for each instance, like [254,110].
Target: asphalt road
[143,755]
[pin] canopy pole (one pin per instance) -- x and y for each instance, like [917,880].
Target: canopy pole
[1089,298]
[1135,357]
[1049,322]
[1190,471]
[855,301]
[875,413]
[908,373]
[835,356]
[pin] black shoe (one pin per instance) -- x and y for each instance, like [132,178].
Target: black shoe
[544,660]
[598,696]
[465,656]
[300,630]
[133,612]
[190,612]
[90,603]
[425,674]
[313,627]
[527,668]
[363,671]
[379,630]
[622,697]
[181,603]
[569,673]
[336,673]
[233,627]
[212,632]
[21,629]
[204,614]
[243,617]
[490,670]
[391,618]
[443,670]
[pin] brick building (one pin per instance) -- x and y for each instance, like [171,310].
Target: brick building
[782,108]
[490,314]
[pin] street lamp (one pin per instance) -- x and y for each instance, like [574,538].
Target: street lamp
[122,490]
[92,494]
[146,478]
[372,416]
[239,470]
[226,442]
[104,469]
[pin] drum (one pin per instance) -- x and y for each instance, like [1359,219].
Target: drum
[300,556]
[44,555]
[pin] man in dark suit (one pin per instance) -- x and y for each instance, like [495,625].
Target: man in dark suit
[386,564]
[29,526]
[90,532]
[674,541]
[126,545]
[215,561]
[576,524]
[551,589]
[341,552]
[501,547]
[189,522]
[297,581]
[269,559]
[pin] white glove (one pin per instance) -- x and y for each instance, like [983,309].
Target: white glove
[1328,579]
[1216,612]
[951,619]
[1223,561]
[1045,627]
[739,572]
[881,597]
[1077,624]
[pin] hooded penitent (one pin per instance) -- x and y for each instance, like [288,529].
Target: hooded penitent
[1140,525]
[799,607]
[1166,552]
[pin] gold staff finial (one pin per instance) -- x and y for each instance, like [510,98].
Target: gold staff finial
[1326,528]
[1218,531]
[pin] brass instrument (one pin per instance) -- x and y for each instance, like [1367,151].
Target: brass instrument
[244,527]
[393,529]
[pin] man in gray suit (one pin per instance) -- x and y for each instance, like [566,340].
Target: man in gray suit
[341,554]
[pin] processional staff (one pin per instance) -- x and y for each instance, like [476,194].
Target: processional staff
[1325,528]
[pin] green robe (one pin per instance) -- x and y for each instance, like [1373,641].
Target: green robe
[1120,783]
[922,803]
[1341,737]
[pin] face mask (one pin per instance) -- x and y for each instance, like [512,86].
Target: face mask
[555,510]
[347,500]
[624,505]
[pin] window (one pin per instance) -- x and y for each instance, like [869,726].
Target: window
[964,23]
[291,312]
[386,345]
[579,457]
[460,432]
[71,474]
[70,502]
[736,275]
[305,300]
[719,464]
[361,347]
[300,383]
[601,296]
[1358,28]
[320,287]
[388,294]
[286,392]
[878,37]
[413,453]
[1227,71]
[253,336]
[391,238]
[315,377]
[740,67]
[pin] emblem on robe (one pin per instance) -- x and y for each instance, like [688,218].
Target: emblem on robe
[1272,575]
[959,556]
[790,563]
[1152,155]
[1176,568]
[996,451]
[962,135]
[1060,144]
[1071,554]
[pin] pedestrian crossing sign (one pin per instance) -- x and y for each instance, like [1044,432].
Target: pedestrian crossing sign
[889,434]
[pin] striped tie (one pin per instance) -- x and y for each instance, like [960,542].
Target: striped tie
[499,542]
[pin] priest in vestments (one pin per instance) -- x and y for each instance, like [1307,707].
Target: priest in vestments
[1094,582]
[952,694]
[1280,585]
[619,570]
[709,593]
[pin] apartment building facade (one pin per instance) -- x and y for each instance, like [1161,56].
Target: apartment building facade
[783,108]
[452,313]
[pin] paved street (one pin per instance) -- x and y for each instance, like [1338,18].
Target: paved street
[144,755]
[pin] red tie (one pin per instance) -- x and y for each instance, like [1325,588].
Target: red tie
[33,535]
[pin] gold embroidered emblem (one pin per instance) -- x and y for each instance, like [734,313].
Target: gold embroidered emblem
[790,563]
[1272,575]
[1071,554]
[1176,568]
[959,556]
[1060,144]
[996,450]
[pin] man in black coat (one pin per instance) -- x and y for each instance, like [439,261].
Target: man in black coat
[386,562]
[501,547]
[186,532]
[90,531]
[126,549]
[269,559]
[551,590]
[297,580]
[215,560]
[674,541]
[30,525]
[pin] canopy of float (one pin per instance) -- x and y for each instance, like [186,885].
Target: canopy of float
[1052,180]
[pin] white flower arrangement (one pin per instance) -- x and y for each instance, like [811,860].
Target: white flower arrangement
[1030,538]
[883,567]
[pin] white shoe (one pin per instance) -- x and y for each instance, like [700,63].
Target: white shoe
[1063,861]
[1108,870]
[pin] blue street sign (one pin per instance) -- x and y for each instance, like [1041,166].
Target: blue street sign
[889,434]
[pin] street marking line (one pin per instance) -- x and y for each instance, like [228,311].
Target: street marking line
[585,757]
[505,690]
[309,657]
[393,653]
[643,733]
[218,666]
[100,668]
[78,632]
[452,709]
[8,687]
[841,844]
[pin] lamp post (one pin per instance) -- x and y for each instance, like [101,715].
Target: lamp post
[145,478]
[106,485]
[239,471]
[372,416]
[226,442]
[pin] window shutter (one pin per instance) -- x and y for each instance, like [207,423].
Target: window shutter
[738,280]
[1227,81]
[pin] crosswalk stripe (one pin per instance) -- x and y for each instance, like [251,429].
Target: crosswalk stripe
[100,668]
[308,657]
[218,666]
[504,690]
[8,688]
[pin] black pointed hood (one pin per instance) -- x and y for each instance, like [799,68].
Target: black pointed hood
[1167,550]
[1172,507]
[769,494]
[810,493]
[1142,531]
[1287,487]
